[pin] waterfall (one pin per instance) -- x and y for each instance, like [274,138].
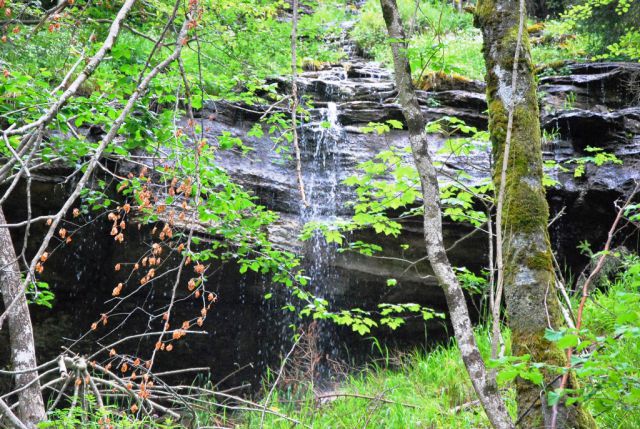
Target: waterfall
[321,140]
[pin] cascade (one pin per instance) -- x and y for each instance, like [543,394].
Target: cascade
[246,331]
[320,143]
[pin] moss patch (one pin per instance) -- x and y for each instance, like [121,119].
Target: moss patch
[438,80]
[309,64]
[535,28]
[540,261]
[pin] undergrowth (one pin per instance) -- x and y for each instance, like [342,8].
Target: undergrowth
[235,53]
[441,39]
[611,378]
[417,390]
[431,389]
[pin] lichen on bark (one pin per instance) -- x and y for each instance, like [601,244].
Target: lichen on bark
[529,278]
[23,353]
[484,385]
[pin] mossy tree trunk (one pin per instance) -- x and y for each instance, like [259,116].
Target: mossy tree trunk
[484,385]
[529,287]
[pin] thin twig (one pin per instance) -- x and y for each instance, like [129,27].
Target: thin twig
[357,395]
[502,190]
[585,294]
[277,380]
[294,102]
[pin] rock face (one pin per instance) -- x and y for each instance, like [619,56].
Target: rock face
[589,105]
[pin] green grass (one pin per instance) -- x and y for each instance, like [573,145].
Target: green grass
[445,40]
[461,54]
[424,387]
[422,391]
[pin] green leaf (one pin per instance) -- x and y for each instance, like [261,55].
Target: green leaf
[507,374]
[551,335]
[395,124]
[532,375]
[569,340]
[554,396]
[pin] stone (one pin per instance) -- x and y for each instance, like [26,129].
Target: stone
[245,328]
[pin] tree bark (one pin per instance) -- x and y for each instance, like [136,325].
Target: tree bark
[23,352]
[514,124]
[485,387]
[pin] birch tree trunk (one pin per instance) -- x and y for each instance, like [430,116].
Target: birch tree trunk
[485,387]
[514,123]
[23,353]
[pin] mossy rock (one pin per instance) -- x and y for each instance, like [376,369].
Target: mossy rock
[88,87]
[441,81]
[309,64]
[535,28]
[554,65]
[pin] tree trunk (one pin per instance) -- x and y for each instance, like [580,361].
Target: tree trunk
[528,270]
[485,387]
[23,353]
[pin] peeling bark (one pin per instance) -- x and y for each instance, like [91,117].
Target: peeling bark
[484,386]
[514,123]
[23,353]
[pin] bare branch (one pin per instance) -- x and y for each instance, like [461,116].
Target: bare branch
[294,102]
[107,139]
[6,411]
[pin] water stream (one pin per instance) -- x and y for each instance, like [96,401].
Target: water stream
[320,143]
[248,333]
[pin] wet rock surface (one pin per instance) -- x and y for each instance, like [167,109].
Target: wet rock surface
[588,105]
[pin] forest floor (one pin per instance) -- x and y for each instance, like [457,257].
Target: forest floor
[431,389]
[419,389]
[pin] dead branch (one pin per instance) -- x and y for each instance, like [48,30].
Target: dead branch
[277,380]
[108,138]
[359,396]
[294,101]
[495,331]
[11,415]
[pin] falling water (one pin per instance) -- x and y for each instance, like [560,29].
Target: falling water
[320,145]
[321,153]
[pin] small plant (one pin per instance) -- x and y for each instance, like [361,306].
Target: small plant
[101,418]
[569,101]
[598,157]
[550,136]
[382,127]
[40,294]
